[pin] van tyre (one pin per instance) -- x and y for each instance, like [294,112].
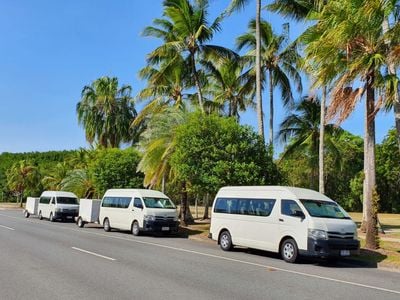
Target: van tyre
[80,222]
[289,250]
[40,215]
[106,225]
[135,228]
[26,214]
[51,217]
[225,241]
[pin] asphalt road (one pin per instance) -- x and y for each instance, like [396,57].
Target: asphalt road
[43,260]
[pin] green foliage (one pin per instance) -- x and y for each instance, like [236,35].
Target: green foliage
[115,168]
[388,173]
[212,152]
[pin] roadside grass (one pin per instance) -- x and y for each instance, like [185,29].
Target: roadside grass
[9,205]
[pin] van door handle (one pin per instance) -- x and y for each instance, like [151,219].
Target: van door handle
[281,220]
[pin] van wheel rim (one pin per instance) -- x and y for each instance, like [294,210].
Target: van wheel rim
[224,241]
[288,250]
[135,228]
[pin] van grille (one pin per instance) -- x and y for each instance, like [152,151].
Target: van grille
[159,218]
[340,235]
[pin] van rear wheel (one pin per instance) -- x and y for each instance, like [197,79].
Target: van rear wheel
[225,241]
[135,228]
[289,251]
[106,225]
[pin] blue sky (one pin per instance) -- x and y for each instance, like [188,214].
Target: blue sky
[49,50]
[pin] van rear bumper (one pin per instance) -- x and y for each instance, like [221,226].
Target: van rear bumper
[161,226]
[332,247]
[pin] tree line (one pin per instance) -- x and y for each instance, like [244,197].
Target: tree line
[188,133]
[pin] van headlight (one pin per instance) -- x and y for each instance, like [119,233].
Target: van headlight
[149,218]
[355,234]
[176,219]
[59,209]
[317,234]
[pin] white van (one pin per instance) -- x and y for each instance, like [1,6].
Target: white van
[58,205]
[138,210]
[290,221]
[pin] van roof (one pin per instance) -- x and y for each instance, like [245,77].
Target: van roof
[58,194]
[131,192]
[299,193]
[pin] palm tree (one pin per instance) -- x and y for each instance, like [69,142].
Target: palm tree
[22,176]
[157,145]
[185,32]
[347,46]
[300,131]
[53,180]
[106,112]
[237,5]
[229,83]
[278,61]
[80,183]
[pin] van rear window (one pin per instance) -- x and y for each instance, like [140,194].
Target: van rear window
[244,206]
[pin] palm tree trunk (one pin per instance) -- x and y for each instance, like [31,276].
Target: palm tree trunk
[369,166]
[260,115]
[321,143]
[397,118]
[197,82]
[271,113]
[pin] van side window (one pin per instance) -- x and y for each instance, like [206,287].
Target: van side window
[44,200]
[116,202]
[138,203]
[244,206]
[289,208]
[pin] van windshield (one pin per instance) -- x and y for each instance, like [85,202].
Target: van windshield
[324,209]
[151,202]
[67,200]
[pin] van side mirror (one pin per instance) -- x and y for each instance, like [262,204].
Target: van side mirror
[299,213]
[139,206]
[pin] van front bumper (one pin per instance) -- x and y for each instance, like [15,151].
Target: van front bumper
[161,226]
[65,214]
[332,247]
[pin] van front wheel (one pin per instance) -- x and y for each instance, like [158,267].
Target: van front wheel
[51,218]
[40,215]
[135,228]
[106,225]
[289,251]
[225,241]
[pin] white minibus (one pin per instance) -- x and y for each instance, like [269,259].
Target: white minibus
[138,210]
[58,205]
[287,220]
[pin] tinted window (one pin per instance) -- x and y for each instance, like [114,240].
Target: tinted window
[117,202]
[289,208]
[137,203]
[66,200]
[44,200]
[242,206]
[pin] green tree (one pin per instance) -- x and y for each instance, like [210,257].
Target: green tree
[300,131]
[115,168]
[106,112]
[80,182]
[22,177]
[278,61]
[213,151]
[347,46]
[52,180]
[185,32]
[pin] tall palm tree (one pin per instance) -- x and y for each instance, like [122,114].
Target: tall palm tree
[22,176]
[237,5]
[300,131]
[157,145]
[278,61]
[80,183]
[231,85]
[106,112]
[348,47]
[185,31]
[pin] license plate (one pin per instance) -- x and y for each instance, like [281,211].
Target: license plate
[344,252]
[164,228]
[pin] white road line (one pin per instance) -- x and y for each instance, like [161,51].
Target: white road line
[220,257]
[92,253]
[9,228]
